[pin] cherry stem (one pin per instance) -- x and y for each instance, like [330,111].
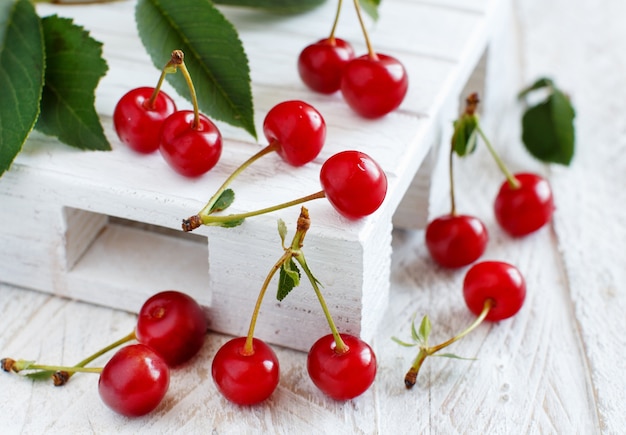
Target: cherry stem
[248,348]
[178,60]
[20,365]
[60,377]
[451,175]
[219,220]
[273,146]
[370,50]
[425,351]
[335,22]
[513,182]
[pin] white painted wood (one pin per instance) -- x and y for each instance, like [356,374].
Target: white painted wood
[555,368]
[88,258]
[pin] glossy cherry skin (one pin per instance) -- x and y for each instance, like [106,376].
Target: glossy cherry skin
[374,86]
[173,324]
[134,381]
[342,376]
[354,183]
[190,151]
[321,64]
[245,379]
[525,209]
[496,280]
[298,129]
[136,123]
[456,241]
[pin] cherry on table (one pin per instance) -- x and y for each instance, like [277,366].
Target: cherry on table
[525,207]
[297,131]
[190,149]
[354,183]
[500,282]
[374,84]
[138,117]
[344,375]
[456,240]
[245,379]
[173,324]
[134,381]
[322,63]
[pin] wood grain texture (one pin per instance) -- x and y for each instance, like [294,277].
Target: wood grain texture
[555,368]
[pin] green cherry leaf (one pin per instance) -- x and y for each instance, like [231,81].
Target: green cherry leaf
[451,355]
[540,83]
[371,8]
[403,343]
[40,375]
[424,330]
[223,201]
[74,66]
[274,6]
[289,279]
[465,135]
[548,129]
[230,224]
[214,56]
[22,66]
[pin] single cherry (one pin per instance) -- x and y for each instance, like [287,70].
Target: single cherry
[354,183]
[525,207]
[321,64]
[173,324]
[500,282]
[245,379]
[191,150]
[374,85]
[341,375]
[139,115]
[296,129]
[134,381]
[456,240]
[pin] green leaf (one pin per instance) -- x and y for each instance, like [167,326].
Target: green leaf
[224,201]
[548,129]
[22,65]
[543,82]
[74,66]
[424,331]
[451,355]
[371,8]
[288,279]
[403,343]
[465,135]
[282,230]
[275,6]
[214,56]
[229,224]
[40,375]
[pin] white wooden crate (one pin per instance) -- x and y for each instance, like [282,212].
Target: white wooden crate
[104,227]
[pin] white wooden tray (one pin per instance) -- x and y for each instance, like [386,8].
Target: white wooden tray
[104,227]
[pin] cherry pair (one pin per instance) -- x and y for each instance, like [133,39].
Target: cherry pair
[146,119]
[524,203]
[246,370]
[171,329]
[372,85]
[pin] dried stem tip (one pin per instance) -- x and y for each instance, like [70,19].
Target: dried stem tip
[191,223]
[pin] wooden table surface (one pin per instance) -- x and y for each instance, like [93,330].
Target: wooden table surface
[558,367]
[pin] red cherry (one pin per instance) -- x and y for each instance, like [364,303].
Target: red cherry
[501,282]
[524,209]
[341,376]
[374,86]
[353,183]
[190,151]
[245,379]
[321,64]
[298,129]
[138,124]
[134,381]
[173,324]
[456,240]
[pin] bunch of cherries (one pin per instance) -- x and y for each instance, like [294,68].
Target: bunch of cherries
[523,204]
[171,329]
[146,119]
[373,84]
